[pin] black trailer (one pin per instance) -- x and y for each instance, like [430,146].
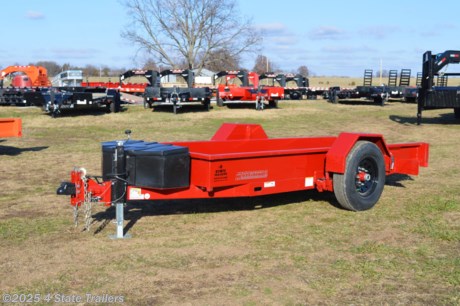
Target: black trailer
[176,89]
[394,90]
[59,100]
[21,96]
[295,85]
[378,94]
[438,96]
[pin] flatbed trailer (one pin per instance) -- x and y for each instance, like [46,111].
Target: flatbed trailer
[241,161]
[441,96]
[249,92]
[295,85]
[176,94]
[58,100]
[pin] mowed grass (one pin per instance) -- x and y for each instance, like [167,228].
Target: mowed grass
[288,249]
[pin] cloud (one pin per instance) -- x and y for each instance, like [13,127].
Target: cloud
[327,32]
[275,34]
[379,32]
[347,49]
[33,15]
[272,29]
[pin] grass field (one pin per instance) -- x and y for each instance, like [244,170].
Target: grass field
[289,249]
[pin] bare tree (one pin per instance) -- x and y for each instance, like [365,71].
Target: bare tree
[150,64]
[222,59]
[177,31]
[52,68]
[262,65]
[303,71]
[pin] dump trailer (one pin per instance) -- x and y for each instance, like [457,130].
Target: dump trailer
[243,87]
[241,161]
[10,127]
[59,100]
[176,89]
[440,96]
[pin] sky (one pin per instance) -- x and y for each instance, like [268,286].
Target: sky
[330,37]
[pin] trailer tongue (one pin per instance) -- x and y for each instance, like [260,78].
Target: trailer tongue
[241,161]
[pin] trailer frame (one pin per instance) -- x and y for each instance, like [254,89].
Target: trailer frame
[241,161]
[440,96]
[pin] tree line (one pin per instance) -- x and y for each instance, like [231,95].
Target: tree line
[188,34]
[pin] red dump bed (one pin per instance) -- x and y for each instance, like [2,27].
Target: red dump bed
[241,161]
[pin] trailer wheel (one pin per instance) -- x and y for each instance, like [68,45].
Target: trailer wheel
[457,113]
[112,108]
[294,95]
[207,105]
[360,187]
[273,103]
[146,104]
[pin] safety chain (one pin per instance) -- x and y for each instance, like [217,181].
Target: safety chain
[88,205]
[75,216]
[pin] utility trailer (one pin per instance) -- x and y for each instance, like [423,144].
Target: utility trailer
[242,87]
[295,85]
[396,90]
[377,94]
[59,100]
[176,89]
[440,96]
[10,127]
[14,96]
[241,161]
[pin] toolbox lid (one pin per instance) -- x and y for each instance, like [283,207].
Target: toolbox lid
[110,145]
[158,149]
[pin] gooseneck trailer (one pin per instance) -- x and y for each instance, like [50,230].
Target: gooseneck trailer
[241,161]
[442,96]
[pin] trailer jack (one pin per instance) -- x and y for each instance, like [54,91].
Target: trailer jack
[85,190]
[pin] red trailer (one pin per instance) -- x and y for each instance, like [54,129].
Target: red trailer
[248,92]
[10,127]
[241,161]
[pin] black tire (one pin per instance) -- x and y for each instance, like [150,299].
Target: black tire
[295,95]
[361,186]
[273,103]
[146,104]
[112,107]
[457,113]
[207,105]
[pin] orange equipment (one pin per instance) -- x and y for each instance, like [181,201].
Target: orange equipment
[10,127]
[37,74]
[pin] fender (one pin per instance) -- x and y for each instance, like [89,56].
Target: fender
[336,157]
